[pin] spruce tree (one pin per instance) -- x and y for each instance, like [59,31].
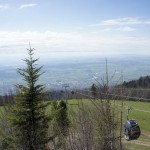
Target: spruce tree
[29,112]
[61,123]
[63,119]
[94,90]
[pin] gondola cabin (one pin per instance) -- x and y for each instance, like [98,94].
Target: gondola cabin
[131,130]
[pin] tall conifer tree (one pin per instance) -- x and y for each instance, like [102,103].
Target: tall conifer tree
[29,113]
[94,90]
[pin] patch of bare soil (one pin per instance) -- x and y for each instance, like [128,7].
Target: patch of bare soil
[146,134]
[140,141]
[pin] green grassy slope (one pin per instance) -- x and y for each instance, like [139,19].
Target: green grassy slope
[140,112]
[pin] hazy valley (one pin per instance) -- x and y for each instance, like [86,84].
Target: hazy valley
[77,71]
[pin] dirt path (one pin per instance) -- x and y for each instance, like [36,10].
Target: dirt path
[146,134]
[142,110]
[139,142]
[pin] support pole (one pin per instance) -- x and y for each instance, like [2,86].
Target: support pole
[65,86]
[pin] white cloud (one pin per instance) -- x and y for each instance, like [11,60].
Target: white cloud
[3,7]
[107,29]
[123,22]
[126,29]
[47,40]
[122,28]
[27,5]
[16,42]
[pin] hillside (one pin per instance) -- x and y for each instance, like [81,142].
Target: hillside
[142,82]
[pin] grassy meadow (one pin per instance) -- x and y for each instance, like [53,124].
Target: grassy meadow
[80,110]
[140,112]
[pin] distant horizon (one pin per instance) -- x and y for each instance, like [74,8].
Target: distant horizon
[60,56]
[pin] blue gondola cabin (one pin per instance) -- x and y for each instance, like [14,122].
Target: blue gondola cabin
[131,130]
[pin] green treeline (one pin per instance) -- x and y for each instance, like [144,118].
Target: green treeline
[142,82]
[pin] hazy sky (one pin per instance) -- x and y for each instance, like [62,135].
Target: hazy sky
[76,26]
